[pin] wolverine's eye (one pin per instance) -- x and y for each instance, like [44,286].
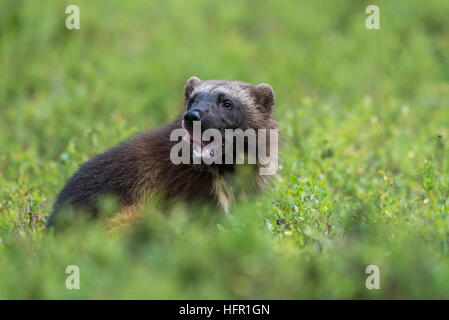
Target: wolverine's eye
[190,102]
[227,104]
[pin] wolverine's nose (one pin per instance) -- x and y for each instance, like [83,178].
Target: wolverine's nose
[191,116]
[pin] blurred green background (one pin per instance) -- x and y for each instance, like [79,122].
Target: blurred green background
[363,176]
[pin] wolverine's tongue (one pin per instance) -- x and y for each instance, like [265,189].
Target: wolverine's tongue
[201,149]
[189,136]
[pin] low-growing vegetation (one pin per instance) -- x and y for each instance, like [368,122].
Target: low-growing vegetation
[364,165]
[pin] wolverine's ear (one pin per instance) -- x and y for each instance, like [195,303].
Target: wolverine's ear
[265,95]
[191,84]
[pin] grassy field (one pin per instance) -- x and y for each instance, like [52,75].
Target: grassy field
[364,165]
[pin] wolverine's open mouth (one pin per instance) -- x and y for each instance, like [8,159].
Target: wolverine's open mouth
[204,149]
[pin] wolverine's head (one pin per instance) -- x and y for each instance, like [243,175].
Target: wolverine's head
[221,105]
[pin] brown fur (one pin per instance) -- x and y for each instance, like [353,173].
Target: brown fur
[127,216]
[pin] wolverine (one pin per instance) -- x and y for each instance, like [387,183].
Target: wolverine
[141,166]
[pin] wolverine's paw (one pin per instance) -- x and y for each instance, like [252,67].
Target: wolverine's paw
[125,219]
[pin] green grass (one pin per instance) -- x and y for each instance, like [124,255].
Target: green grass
[364,168]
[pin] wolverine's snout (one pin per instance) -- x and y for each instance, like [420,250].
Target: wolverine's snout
[190,116]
